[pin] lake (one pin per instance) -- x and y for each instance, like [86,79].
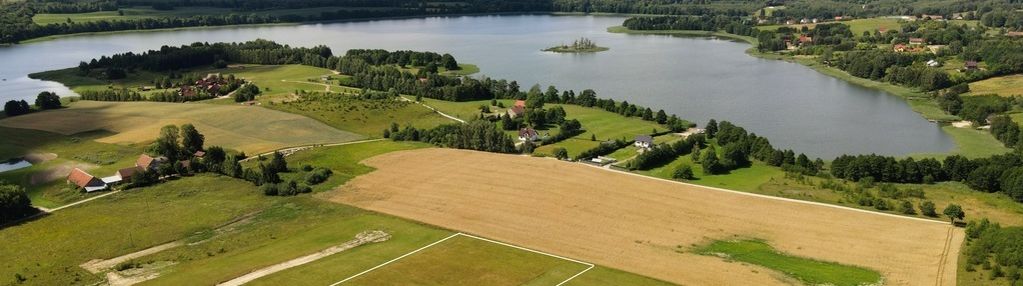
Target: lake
[697,78]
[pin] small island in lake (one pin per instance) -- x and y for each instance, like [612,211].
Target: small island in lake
[582,45]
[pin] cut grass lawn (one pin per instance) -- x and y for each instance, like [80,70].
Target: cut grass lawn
[251,129]
[462,260]
[809,271]
[1010,85]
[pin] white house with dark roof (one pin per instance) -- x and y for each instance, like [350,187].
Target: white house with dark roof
[644,141]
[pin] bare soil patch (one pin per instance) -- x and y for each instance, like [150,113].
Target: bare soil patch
[36,158]
[642,225]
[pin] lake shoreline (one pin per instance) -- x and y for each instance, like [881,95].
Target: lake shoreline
[919,102]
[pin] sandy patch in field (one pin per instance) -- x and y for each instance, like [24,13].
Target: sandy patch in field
[36,158]
[637,224]
[58,172]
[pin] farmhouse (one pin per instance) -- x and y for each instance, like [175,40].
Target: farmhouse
[85,181]
[970,65]
[899,48]
[528,134]
[516,111]
[804,39]
[917,41]
[644,141]
[147,163]
[932,17]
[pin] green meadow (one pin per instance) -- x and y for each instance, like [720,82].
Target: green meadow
[809,271]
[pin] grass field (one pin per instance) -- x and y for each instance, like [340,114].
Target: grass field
[463,260]
[1010,85]
[342,160]
[970,143]
[857,26]
[643,222]
[44,180]
[597,122]
[47,251]
[743,179]
[136,13]
[365,117]
[246,128]
[808,271]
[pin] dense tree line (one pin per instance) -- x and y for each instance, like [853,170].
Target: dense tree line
[14,203]
[604,148]
[999,173]
[732,25]
[477,135]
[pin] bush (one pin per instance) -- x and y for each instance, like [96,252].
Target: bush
[318,175]
[14,203]
[684,172]
[927,209]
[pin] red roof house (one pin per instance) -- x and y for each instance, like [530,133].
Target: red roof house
[85,181]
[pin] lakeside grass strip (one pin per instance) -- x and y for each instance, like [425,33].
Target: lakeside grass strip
[810,271]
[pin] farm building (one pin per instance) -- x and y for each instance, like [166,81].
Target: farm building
[644,141]
[516,111]
[199,154]
[933,63]
[970,65]
[145,162]
[528,134]
[85,181]
[917,41]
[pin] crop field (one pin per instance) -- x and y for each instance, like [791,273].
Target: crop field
[244,128]
[1010,85]
[646,226]
[365,117]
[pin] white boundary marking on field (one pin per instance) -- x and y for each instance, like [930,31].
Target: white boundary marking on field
[768,196]
[587,264]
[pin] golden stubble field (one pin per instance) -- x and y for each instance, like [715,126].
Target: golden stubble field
[640,224]
[251,129]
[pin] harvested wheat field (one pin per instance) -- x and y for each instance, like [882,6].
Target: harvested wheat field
[639,224]
[246,128]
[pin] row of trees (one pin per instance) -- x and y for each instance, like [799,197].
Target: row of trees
[45,100]
[477,135]
[730,24]
[999,173]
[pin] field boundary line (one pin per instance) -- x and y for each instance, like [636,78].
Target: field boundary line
[395,259]
[587,264]
[768,196]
